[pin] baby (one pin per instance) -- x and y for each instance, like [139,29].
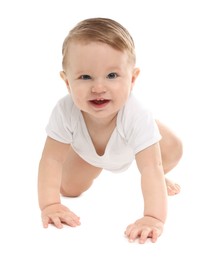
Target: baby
[100,125]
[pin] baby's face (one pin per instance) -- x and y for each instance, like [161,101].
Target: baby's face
[99,78]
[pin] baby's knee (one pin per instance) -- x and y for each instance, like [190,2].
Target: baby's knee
[177,147]
[172,151]
[70,193]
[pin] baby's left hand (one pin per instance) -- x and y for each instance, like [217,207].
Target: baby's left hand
[144,228]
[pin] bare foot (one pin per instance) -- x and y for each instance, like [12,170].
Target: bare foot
[172,187]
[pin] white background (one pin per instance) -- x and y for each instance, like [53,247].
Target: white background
[177,51]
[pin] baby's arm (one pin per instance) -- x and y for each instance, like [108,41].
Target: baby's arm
[49,182]
[155,196]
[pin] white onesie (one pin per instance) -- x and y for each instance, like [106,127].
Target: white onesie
[135,130]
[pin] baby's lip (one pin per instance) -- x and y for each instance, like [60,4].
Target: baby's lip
[99,101]
[99,98]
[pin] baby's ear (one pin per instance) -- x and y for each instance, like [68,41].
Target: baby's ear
[64,77]
[135,74]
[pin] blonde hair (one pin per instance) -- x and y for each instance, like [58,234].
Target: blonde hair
[102,30]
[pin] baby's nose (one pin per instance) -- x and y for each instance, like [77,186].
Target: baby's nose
[98,87]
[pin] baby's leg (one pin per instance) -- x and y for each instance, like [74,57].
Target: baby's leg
[171,151]
[77,176]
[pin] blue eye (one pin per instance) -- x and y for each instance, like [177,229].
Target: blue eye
[85,77]
[112,75]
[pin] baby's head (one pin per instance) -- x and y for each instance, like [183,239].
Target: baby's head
[102,30]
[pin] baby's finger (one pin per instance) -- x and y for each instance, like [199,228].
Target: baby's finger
[75,218]
[45,221]
[133,234]
[57,222]
[72,221]
[145,234]
[155,234]
[129,229]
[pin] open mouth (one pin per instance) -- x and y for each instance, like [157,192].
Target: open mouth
[99,102]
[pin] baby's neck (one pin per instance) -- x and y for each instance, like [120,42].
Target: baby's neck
[100,123]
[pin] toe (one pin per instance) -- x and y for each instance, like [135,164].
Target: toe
[172,188]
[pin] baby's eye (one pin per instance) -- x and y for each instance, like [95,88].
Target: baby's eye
[85,77]
[112,75]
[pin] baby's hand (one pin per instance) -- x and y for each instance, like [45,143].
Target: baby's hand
[57,214]
[144,228]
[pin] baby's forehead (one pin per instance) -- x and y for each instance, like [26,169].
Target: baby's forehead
[76,45]
[73,43]
[77,48]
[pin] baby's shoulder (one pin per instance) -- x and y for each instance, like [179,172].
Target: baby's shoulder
[66,106]
[65,102]
[66,110]
[134,107]
[133,115]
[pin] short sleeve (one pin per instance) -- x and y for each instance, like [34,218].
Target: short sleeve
[140,127]
[59,126]
[145,132]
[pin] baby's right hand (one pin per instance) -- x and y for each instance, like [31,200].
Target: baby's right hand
[57,214]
